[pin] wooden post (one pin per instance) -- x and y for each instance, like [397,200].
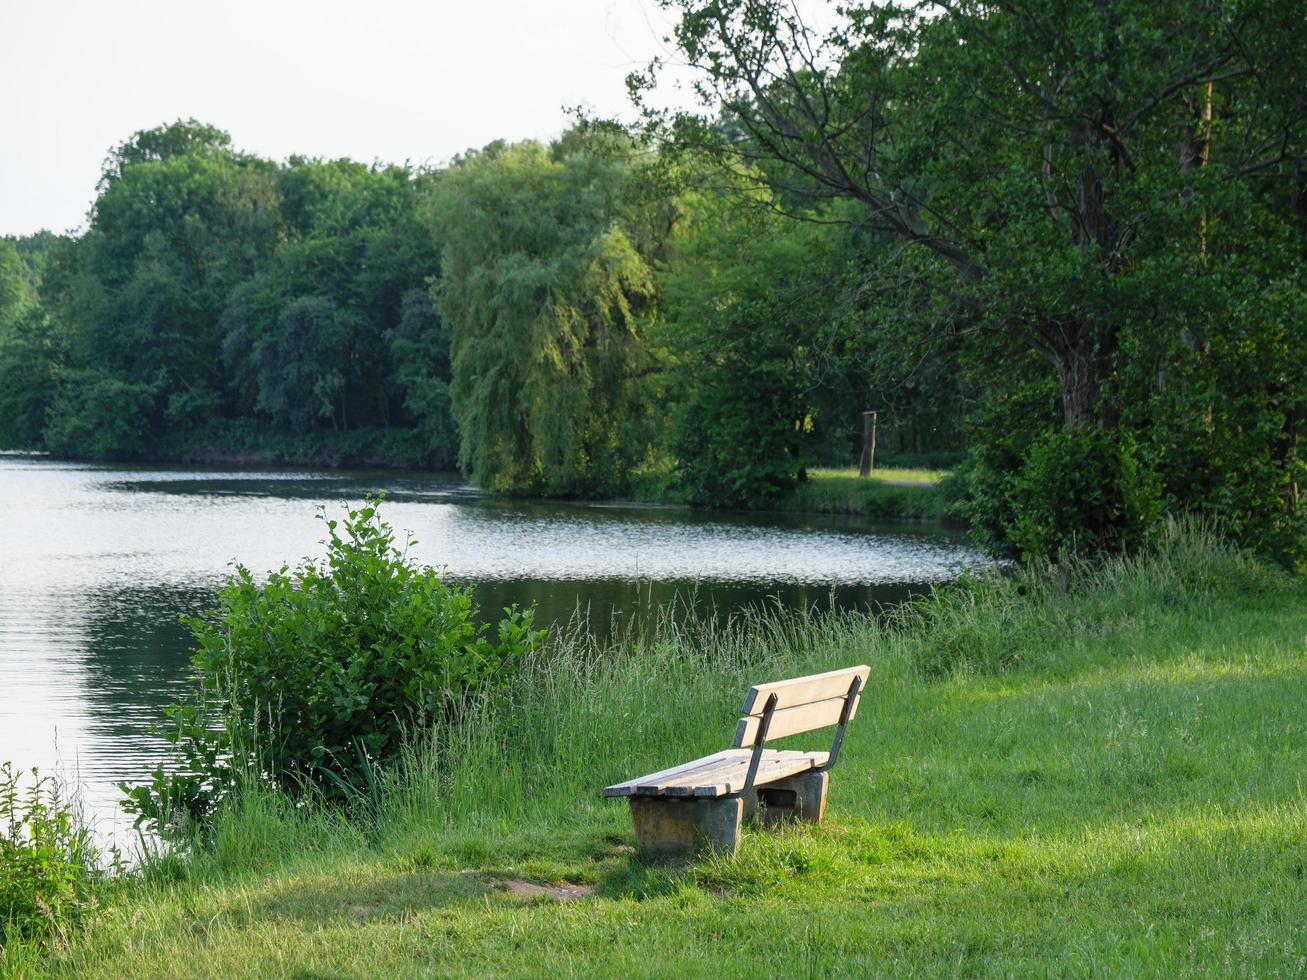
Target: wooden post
[868,444]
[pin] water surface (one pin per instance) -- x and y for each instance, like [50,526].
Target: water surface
[98,562]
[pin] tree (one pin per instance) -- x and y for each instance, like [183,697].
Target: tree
[15,290]
[215,292]
[31,342]
[302,363]
[752,325]
[1070,177]
[30,356]
[179,221]
[1014,145]
[185,137]
[546,286]
[358,240]
[419,347]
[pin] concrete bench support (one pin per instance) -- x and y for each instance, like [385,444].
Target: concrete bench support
[667,827]
[801,797]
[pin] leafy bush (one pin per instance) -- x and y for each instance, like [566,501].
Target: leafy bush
[318,676]
[1082,491]
[954,490]
[48,864]
[96,414]
[1038,491]
[999,434]
[735,455]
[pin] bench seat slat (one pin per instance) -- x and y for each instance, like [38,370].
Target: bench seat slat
[803,690]
[768,772]
[718,775]
[628,788]
[723,773]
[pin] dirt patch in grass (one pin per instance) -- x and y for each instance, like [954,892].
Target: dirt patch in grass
[532,889]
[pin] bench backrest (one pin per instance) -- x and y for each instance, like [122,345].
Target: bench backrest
[802,704]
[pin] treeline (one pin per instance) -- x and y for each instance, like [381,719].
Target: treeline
[220,304]
[573,318]
[1071,239]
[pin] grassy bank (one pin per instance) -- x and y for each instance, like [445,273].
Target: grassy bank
[1093,771]
[888,494]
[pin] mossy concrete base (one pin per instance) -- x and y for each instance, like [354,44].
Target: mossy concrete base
[669,827]
[801,797]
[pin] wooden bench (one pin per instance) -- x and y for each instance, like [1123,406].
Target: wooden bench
[702,803]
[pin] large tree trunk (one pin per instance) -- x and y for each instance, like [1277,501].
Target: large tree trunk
[1085,366]
[1084,352]
[1078,374]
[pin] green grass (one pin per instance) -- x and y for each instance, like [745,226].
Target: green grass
[880,495]
[851,473]
[1090,771]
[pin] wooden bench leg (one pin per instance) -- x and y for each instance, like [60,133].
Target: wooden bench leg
[674,828]
[801,797]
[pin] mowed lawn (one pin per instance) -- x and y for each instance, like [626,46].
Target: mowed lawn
[1128,798]
[886,494]
[882,474]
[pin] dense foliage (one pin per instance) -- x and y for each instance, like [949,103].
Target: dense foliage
[223,306]
[48,868]
[544,314]
[547,288]
[320,675]
[752,305]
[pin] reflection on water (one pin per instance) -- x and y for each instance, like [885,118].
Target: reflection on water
[83,676]
[97,563]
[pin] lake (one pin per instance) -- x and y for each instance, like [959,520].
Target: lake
[98,562]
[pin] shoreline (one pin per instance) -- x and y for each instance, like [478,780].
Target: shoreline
[824,493]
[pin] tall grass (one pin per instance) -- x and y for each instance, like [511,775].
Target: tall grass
[994,621]
[521,772]
[581,715]
[512,769]
[50,866]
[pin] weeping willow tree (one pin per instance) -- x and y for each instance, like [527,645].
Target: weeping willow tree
[547,285]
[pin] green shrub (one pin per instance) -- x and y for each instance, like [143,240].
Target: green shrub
[954,490]
[1040,491]
[48,863]
[98,415]
[318,676]
[1082,492]
[736,453]
[1000,434]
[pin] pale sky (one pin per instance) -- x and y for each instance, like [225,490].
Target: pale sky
[390,80]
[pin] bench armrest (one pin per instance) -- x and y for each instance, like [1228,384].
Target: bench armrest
[767,711]
[849,701]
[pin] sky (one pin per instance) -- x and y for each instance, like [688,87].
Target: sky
[389,80]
